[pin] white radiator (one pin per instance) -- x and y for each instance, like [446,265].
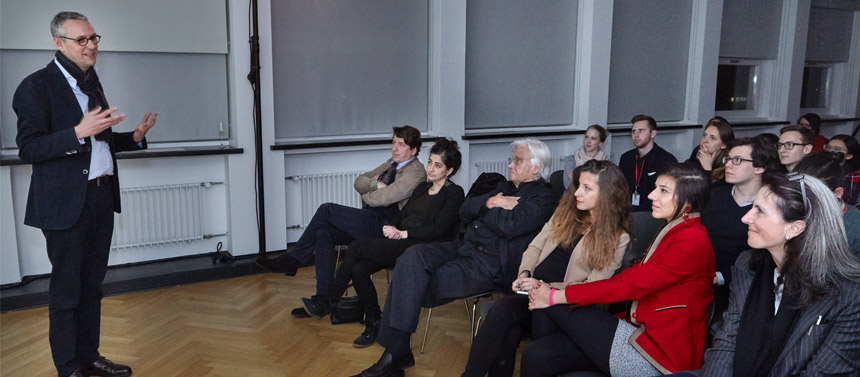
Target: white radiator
[501,167]
[317,189]
[157,215]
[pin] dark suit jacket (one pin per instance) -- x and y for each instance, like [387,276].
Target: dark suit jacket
[829,348]
[47,114]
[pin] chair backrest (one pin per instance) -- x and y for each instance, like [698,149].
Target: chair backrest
[645,228]
[556,180]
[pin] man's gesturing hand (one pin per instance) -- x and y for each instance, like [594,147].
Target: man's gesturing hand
[96,121]
[144,126]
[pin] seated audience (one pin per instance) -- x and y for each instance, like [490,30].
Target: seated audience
[501,224]
[795,142]
[849,148]
[824,165]
[664,330]
[584,241]
[430,215]
[747,160]
[383,190]
[812,122]
[713,147]
[795,299]
[591,149]
[640,164]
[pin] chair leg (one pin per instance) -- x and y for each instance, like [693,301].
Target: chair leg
[427,327]
[472,325]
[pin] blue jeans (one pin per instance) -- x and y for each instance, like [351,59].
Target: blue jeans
[334,224]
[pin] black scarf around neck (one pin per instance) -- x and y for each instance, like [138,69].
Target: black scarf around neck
[761,334]
[89,83]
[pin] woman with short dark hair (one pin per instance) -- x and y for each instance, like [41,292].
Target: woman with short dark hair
[431,214]
[671,287]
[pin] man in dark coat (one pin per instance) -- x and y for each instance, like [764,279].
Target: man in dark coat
[501,224]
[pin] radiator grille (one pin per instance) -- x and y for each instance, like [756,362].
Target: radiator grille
[501,166]
[317,189]
[157,215]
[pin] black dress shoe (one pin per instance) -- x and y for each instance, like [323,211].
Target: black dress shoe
[77,373]
[284,264]
[388,366]
[318,306]
[368,337]
[105,368]
[396,373]
[300,313]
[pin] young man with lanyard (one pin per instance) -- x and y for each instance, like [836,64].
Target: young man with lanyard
[641,164]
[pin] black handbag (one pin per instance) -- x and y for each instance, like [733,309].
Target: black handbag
[347,310]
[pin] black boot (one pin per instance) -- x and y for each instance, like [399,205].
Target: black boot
[368,337]
[318,306]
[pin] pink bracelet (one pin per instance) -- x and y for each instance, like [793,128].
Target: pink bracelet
[551,291]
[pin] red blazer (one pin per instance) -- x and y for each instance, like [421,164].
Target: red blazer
[671,288]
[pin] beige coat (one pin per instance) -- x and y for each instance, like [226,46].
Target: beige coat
[577,269]
[407,178]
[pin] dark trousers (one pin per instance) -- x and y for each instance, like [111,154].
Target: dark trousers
[430,275]
[334,224]
[566,340]
[494,349]
[79,258]
[364,258]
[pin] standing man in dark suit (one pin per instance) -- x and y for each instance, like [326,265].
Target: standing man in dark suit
[64,131]
[641,164]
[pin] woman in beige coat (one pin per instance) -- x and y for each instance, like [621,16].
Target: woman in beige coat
[584,241]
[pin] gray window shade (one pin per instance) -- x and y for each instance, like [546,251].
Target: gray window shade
[829,38]
[648,67]
[153,25]
[750,29]
[519,62]
[189,91]
[349,67]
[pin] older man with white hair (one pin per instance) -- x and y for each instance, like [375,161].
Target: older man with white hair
[501,224]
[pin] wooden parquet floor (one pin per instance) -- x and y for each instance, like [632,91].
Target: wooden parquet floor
[234,327]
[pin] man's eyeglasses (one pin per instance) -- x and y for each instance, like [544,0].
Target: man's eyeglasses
[516,160]
[788,145]
[736,160]
[833,148]
[794,177]
[84,40]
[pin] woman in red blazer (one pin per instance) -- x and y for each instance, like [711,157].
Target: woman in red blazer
[670,288]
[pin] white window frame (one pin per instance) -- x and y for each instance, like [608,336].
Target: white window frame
[757,88]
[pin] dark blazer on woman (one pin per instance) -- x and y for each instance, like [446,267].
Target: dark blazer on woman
[440,223]
[829,346]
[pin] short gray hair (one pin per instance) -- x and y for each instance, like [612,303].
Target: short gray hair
[61,18]
[541,157]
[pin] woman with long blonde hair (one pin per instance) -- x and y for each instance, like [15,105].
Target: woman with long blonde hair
[584,241]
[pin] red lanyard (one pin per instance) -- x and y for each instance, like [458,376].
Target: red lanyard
[637,175]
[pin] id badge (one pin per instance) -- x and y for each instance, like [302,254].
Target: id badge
[635,199]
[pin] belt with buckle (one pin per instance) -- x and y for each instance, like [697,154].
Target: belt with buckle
[100,181]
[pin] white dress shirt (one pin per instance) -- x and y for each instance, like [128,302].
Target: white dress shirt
[100,162]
